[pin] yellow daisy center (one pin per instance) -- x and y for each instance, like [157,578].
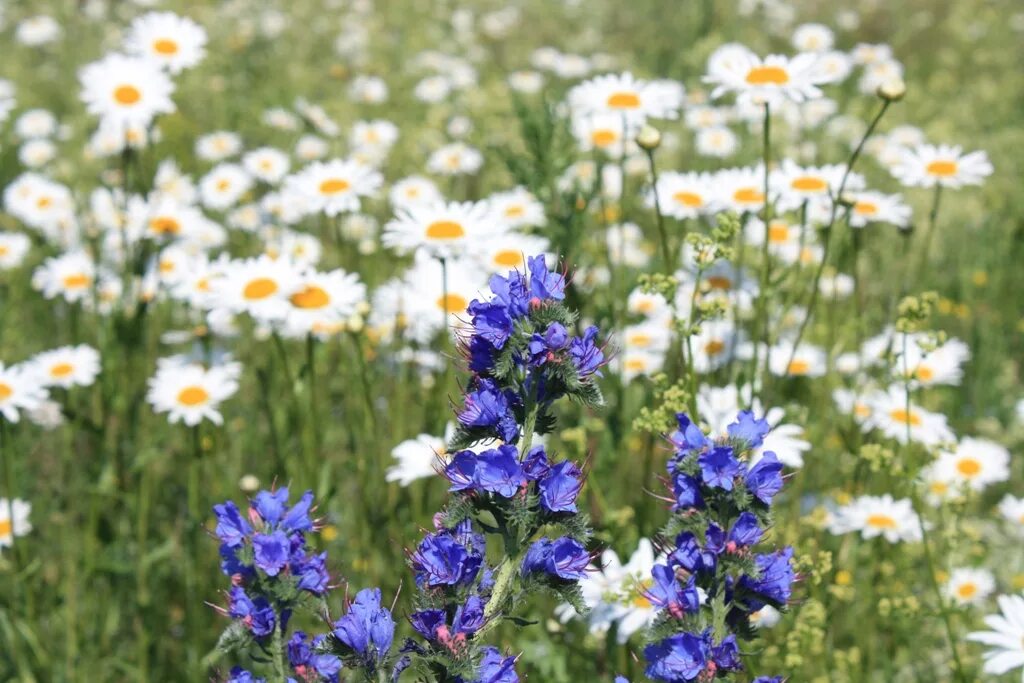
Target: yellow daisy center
[624,100]
[636,364]
[880,521]
[865,208]
[809,183]
[77,281]
[966,591]
[778,232]
[719,282]
[509,258]
[968,467]
[903,417]
[514,211]
[334,186]
[310,297]
[714,347]
[165,225]
[5,391]
[165,46]
[193,396]
[603,137]
[640,339]
[689,199]
[925,373]
[127,95]
[445,230]
[61,370]
[6,527]
[767,75]
[798,367]
[223,184]
[452,303]
[942,169]
[259,288]
[748,195]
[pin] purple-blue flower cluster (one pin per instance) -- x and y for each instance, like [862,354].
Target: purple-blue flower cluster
[523,357]
[522,354]
[273,575]
[721,498]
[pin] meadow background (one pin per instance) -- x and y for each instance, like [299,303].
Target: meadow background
[111,582]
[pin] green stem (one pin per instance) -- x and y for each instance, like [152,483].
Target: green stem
[828,228]
[666,253]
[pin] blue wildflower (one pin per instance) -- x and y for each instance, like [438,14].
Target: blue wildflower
[494,668]
[441,560]
[559,488]
[680,657]
[764,479]
[426,622]
[688,437]
[297,518]
[240,675]
[368,629]
[469,618]
[312,573]
[718,467]
[749,429]
[774,581]
[512,293]
[271,551]
[489,406]
[726,655]
[257,615]
[232,527]
[667,593]
[586,356]
[498,471]
[535,464]
[271,505]
[687,492]
[544,284]
[564,558]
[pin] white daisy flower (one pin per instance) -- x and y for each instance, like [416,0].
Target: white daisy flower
[1006,637]
[879,516]
[69,276]
[975,464]
[218,146]
[456,158]
[1012,510]
[267,164]
[717,141]
[684,195]
[174,42]
[13,248]
[126,91]
[517,208]
[68,366]
[769,80]
[876,207]
[969,586]
[223,186]
[441,229]
[630,98]
[13,520]
[945,165]
[333,187]
[20,389]
[258,286]
[320,301]
[190,393]
[891,416]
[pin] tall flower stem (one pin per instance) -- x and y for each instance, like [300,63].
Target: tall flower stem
[762,294]
[666,253]
[929,235]
[813,300]
[933,581]
[191,528]
[311,390]
[9,484]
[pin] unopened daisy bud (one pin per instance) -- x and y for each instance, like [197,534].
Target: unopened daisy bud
[363,307]
[355,323]
[847,200]
[649,138]
[249,483]
[892,90]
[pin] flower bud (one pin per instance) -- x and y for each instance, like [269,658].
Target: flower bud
[649,138]
[892,90]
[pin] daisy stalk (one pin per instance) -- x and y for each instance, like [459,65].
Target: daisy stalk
[828,229]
